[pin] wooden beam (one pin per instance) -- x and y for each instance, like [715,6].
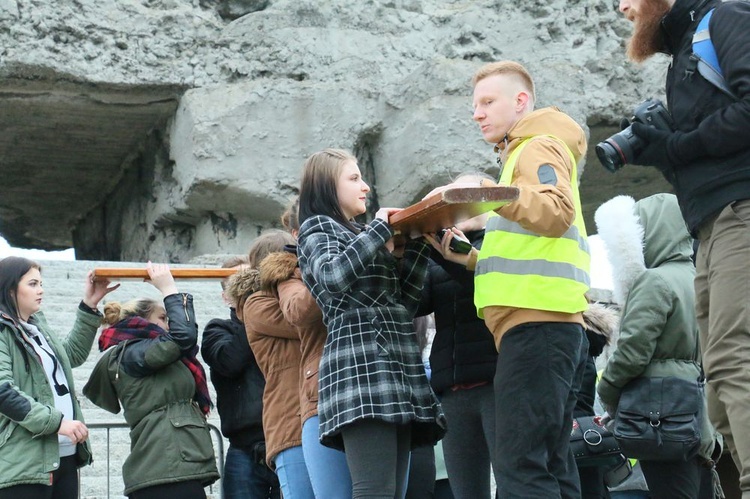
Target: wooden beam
[118,274]
[449,207]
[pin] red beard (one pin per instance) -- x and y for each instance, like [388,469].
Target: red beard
[647,38]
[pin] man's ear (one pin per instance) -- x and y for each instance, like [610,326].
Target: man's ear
[522,100]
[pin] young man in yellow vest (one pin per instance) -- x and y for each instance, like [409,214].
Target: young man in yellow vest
[530,279]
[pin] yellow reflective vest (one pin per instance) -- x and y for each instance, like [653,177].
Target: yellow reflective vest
[518,268]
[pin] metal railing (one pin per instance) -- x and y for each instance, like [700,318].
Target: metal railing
[109,426]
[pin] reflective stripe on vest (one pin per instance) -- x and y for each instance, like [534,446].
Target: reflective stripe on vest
[518,268]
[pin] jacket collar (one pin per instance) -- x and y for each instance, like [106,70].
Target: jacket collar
[682,15]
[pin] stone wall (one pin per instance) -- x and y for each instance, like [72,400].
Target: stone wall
[167,129]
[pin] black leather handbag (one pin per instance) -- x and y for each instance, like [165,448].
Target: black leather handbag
[660,419]
[593,444]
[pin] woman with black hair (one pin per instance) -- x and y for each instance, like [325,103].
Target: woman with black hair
[43,440]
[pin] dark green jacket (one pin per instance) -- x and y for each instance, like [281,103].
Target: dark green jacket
[29,448]
[169,437]
[654,275]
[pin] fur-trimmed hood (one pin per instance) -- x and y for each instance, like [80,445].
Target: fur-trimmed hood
[276,268]
[640,236]
[241,285]
[602,320]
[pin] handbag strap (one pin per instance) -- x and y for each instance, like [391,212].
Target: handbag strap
[654,414]
[654,403]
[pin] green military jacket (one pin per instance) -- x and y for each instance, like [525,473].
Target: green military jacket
[29,448]
[170,439]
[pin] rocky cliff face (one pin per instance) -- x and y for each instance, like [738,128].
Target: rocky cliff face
[167,129]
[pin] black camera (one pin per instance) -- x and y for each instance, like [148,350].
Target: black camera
[458,244]
[625,146]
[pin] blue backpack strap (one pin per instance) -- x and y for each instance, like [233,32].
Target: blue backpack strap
[708,62]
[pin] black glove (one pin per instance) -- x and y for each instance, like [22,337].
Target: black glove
[666,149]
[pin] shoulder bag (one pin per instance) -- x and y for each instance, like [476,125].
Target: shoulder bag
[660,419]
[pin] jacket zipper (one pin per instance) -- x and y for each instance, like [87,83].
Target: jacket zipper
[184,307]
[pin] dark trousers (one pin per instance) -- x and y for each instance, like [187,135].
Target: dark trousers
[539,372]
[192,489]
[378,456]
[64,484]
[592,477]
[421,483]
[443,489]
[673,479]
[245,477]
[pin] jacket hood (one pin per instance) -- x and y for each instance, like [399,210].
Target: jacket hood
[665,232]
[240,286]
[99,388]
[552,121]
[276,268]
[640,236]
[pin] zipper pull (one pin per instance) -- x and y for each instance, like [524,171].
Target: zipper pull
[692,16]
[184,306]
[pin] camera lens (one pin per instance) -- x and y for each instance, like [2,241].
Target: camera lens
[619,149]
[608,156]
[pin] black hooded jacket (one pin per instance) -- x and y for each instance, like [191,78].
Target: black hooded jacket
[463,351]
[717,125]
[238,381]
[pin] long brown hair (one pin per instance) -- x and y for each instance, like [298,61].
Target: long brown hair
[318,195]
[290,217]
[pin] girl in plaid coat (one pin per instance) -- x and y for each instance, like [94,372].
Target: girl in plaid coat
[375,401]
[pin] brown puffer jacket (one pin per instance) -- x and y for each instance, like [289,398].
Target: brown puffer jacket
[275,344]
[279,273]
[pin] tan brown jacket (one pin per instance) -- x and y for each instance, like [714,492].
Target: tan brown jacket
[279,271]
[275,344]
[546,209]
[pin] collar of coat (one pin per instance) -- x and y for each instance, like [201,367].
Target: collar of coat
[622,233]
[276,268]
[241,285]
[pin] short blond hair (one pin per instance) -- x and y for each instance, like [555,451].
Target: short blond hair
[506,68]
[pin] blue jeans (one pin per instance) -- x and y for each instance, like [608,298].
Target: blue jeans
[292,473]
[245,479]
[327,467]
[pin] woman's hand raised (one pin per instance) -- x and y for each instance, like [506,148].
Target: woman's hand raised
[161,278]
[96,289]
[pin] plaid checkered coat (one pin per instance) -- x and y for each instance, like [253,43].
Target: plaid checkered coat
[371,366]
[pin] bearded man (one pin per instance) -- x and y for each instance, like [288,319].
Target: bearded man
[707,161]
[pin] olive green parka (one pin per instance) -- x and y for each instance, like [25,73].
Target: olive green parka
[29,421]
[170,440]
[650,251]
